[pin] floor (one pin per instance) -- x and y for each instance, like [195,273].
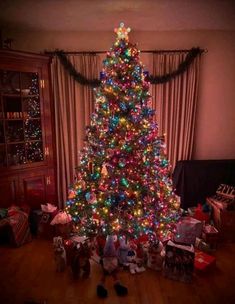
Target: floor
[28,274]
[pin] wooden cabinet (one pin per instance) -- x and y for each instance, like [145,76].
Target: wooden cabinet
[27,173]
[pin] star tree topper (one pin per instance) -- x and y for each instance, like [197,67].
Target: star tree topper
[122,32]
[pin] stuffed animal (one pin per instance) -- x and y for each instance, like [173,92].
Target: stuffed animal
[135,265]
[59,254]
[141,254]
[155,255]
[80,260]
[109,262]
[122,251]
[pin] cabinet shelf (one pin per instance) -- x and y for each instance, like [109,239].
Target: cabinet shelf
[19,95]
[15,142]
[11,95]
[12,119]
[22,142]
[21,119]
[32,118]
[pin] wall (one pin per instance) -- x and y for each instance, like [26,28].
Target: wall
[215,122]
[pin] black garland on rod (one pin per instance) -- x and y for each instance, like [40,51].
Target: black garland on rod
[72,71]
[183,66]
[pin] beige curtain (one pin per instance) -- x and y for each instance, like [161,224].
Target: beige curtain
[73,107]
[175,103]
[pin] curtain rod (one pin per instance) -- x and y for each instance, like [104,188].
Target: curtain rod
[104,52]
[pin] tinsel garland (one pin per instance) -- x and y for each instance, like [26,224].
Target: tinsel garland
[183,66]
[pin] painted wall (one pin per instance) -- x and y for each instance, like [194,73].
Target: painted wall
[215,122]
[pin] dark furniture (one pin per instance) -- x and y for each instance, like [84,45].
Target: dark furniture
[26,134]
[195,180]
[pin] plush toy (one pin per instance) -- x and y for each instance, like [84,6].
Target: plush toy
[59,254]
[141,254]
[122,251]
[135,264]
[80,260]
[109,262]
[155,255]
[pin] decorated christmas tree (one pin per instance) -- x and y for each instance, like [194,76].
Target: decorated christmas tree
[123,184]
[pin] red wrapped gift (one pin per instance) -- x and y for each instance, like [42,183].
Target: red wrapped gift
[200,215]
[187,229]
[203,261]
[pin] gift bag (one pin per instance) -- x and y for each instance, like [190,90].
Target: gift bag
[210,235]
[187,230]
[45,230]
[179,262]
[63,224]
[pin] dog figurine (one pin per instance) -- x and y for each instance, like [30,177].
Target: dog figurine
[59,254]
[155,255]
[80,260]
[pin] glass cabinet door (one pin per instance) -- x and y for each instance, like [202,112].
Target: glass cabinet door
[20,119]
[2,141]
[9,82]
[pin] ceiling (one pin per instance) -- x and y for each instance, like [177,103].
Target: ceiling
[104,15]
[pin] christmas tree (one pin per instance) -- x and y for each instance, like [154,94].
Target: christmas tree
[123,183]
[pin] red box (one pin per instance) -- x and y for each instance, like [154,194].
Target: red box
[203,261]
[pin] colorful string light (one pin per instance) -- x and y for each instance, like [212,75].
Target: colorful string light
[123,183]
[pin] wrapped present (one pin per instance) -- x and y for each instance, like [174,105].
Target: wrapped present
[203,261]
[17,225]
[210,235]
[201,213]
[70,246]
[179,262]
[187,230]
[223,211]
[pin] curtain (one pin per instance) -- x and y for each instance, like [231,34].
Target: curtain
[175,103]
[73,106]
